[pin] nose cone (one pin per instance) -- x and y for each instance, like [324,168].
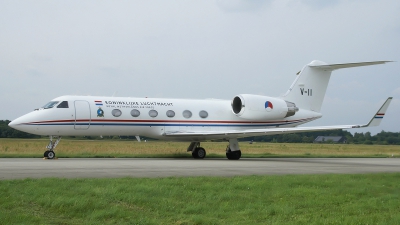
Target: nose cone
[16,123]
[22,123]
[12,124]
[29,123]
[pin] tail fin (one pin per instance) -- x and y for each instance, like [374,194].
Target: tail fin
[309,88]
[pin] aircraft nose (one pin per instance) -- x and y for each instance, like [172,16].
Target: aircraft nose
[25,123]
[18,123]
[13,123]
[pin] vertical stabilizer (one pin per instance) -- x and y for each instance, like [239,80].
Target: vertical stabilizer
[309,88]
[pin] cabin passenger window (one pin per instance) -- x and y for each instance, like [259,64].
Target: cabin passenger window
[50,105]
[63,104]
[153,113]
[187,114]
[135,113]
[203,114]
[170,113]
[116,112]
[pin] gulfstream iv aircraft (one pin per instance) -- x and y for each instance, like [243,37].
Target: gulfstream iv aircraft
[193,121]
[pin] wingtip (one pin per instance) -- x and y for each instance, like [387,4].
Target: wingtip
[376,119]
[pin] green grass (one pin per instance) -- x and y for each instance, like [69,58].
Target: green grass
[289,199]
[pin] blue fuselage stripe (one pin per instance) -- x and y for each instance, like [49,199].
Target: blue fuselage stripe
[166,124]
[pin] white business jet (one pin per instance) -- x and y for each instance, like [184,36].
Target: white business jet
[191,120]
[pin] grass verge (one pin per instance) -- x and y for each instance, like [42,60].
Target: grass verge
[289,199]
[122,149]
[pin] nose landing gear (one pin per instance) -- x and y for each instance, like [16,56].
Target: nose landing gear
[49,153]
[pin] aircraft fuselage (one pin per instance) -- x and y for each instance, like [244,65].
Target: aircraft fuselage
[151,117]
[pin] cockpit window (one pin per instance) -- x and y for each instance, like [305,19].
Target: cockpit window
[63,104]
[50,105]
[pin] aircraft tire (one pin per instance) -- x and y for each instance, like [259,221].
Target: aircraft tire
[194,153]
[46,153]
[51,155]
[199,153]
[235,155]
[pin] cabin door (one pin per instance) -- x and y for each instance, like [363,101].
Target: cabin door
[82,115]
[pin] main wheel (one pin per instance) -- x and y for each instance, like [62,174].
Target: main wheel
[194,153]
[199,153]
[233,155]
[51,155]
[46,153]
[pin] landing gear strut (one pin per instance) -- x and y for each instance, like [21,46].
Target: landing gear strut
[49,154]
[197,151]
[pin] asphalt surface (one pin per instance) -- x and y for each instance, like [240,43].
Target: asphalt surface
[16,168]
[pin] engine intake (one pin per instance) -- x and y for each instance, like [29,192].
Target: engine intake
[237,105]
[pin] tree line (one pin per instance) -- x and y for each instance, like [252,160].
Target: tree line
[383,138]
[8,132]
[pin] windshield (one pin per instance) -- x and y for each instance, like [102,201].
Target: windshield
[50,105]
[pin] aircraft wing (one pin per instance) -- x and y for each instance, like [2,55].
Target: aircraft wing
[375,121]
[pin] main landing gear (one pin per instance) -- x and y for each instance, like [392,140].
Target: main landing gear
[233,155]
[197,151]
[232,150]
[49,153]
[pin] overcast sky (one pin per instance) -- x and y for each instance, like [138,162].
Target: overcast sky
[199,49]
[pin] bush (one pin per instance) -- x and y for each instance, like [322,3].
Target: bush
[368,142]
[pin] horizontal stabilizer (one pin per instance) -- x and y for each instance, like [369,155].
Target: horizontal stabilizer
[346,65]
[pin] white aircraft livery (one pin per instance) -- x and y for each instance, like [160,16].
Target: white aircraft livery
[191,120]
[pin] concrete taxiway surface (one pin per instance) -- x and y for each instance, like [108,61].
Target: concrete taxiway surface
[11,168]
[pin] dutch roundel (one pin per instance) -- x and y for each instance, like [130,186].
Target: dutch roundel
[268,106]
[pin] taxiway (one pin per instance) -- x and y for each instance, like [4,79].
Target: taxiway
[16,168]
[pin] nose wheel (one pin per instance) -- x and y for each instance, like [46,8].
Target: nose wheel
[50,154]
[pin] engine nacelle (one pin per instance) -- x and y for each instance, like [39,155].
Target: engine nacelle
[262,107]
